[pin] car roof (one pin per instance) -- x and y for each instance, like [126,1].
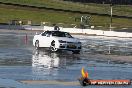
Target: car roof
[55,31]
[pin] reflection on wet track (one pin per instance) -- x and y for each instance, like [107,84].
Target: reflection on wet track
[47,64]
[40,59]
[47,59]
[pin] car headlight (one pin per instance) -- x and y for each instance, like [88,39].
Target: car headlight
[61,41]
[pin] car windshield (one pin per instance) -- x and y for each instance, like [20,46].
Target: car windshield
[61,34]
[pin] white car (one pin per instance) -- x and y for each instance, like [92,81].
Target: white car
[57,40]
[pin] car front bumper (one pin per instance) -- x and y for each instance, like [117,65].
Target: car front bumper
[70,46]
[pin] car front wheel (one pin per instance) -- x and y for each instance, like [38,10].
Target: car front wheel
[52,47]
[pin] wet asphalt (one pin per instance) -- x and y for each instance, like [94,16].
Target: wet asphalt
[20,61]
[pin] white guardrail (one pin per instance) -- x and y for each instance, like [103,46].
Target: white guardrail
[89,31]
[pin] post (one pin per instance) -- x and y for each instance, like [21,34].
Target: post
[111,11]
[109,52]
[111,14]
[81,19]
[26,39]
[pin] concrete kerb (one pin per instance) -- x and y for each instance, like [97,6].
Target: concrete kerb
[88,31]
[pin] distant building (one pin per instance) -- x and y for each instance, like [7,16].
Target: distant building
[122,2]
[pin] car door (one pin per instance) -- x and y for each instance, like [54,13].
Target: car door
[45,39]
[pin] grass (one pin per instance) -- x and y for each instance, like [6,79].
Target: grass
[7,14]
[37,16]
[122,10]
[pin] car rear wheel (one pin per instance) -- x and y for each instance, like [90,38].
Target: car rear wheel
[37,44]
[52,47]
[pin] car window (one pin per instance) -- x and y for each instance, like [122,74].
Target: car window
[58,34]
[46,33]
[61,34]
[68,35]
